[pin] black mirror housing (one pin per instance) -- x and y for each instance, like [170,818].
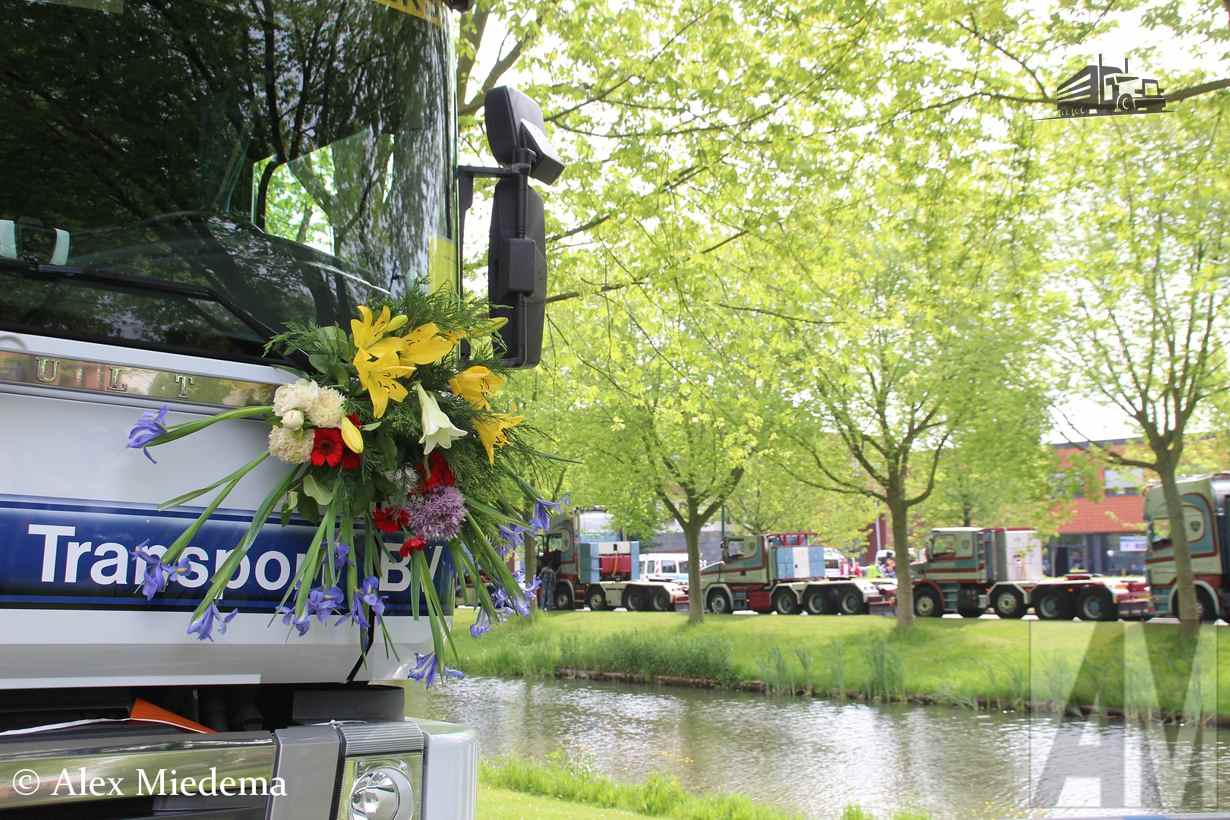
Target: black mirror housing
[517,133]
[517,272]
[516,257]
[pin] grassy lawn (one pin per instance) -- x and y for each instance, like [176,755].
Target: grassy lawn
[505,804]
[1133,666]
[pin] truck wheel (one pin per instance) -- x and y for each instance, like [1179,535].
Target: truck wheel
[719,602]
[1008,603]
[661,601]
[596,599]
[634,600]
[1204,607]
[1096,605]
[784,602]
[850,602]
[563,599]
[1126,102]
[927,603]
[816,602]
[1054,605]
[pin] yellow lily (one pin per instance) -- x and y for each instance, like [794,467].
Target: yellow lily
[425,345]
[380,379]
[367,333]
[476,385]
[493,431]
[351,435]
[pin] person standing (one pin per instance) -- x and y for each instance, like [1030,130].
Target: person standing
[546,574]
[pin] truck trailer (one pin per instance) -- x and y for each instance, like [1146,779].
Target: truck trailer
[179,182]
[765,574]
[968,570]
[599,570]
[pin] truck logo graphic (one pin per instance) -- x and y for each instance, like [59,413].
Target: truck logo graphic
[1103,90]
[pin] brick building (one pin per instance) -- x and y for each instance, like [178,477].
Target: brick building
[1104,536]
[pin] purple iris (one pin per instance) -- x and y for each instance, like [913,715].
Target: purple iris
[543,510]
[150,426]
[341,557]
[428,667]
[324,602]
[355,616]
[481,625]
[369,593]
[512,535]
[203,627]
[155,579]
[288,618]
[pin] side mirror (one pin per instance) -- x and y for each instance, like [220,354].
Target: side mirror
[516,257]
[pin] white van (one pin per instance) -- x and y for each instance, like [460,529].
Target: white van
[665,566]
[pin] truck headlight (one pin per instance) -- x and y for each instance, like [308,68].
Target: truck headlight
[382,793]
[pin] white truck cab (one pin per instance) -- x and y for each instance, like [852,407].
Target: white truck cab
[177,183]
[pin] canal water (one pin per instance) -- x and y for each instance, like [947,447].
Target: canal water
[817,756]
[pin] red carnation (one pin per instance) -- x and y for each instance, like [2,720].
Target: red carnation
[441,474]
[412,545]
[390,519]
[327,447]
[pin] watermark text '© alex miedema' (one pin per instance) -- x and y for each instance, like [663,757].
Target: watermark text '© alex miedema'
[151,783]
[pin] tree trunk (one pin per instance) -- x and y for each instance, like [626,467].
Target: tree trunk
[696,607]
[967,514]
[898,512]
[1184,582]
[531,563]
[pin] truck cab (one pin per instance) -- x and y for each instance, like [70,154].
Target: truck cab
[1208,537]
[178,182]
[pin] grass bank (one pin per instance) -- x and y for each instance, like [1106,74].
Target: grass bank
[1140,670]
[558,787]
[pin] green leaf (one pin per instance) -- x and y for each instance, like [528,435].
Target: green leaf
[321,493]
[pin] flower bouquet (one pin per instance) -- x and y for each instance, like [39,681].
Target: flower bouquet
[393,436]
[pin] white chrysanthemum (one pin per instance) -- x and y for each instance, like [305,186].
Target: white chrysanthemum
[298,396]
[291,446]
[326,409]
[293,419]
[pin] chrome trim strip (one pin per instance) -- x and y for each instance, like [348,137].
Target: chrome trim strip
[17,367]
[132,764]
[380,738]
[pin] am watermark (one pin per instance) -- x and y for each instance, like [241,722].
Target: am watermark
[1128,721]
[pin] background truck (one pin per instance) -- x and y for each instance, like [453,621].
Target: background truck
[767,574]
[1205,502]
[1103,89]
[599,570]
[178,182]
[665,566]
[968,570]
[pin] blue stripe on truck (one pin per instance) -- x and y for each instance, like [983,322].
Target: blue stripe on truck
[67,554]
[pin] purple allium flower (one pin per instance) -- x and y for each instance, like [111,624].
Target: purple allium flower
[341,557]
[324,602]
[428,667]
[288,618]
[150,426]
[369,593]
[203,627]
[437,515]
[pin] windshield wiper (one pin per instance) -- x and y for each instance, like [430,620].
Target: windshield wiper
[104,277]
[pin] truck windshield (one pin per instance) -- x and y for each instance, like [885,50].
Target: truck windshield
[293,157]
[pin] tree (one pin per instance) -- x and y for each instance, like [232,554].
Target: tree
[1151,285]
[932,329]
[663,399]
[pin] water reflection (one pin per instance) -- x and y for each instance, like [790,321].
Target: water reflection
[817,756]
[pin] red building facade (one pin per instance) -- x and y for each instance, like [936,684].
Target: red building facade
[1104,536]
